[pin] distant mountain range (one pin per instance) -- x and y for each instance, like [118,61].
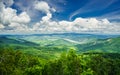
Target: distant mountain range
[64,34]
[80,42]
[111,45]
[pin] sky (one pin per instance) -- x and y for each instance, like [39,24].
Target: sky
[60,16]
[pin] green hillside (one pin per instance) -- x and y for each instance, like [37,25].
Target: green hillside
[5,40]
[110,45]
[19,56]
[52,48]
[31,48]
[17,63]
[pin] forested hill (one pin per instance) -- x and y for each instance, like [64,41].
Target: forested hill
[19,56]
[4,40]
[109,45]
[16,63]
[55,44]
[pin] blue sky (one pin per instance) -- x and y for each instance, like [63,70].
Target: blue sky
[59,16]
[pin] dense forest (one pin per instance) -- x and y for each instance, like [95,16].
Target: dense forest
[35,55]
[15,62]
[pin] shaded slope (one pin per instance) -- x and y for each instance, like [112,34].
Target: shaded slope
[8,41]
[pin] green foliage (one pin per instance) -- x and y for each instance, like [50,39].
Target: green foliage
[52,48]
[110,45]
[38,57]
[17,63]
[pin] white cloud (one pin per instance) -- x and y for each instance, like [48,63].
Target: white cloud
[1,26]
[79,25]
[7,14]
[11,22]
[22,18]
[47,17]
[18,27]
[42,6]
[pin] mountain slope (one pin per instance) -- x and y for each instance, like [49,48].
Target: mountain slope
[5,41]
[101,45]
[54,45]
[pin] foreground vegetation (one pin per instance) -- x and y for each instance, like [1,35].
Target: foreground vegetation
[14,62]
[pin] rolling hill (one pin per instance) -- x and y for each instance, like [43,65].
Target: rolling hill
[53,45]
[111,45]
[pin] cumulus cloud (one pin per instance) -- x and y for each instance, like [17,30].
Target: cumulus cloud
[42,6]
[22,18]
[7,14]
[79,25]
[12,22]
[1,26]
[18,27]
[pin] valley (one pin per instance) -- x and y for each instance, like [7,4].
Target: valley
[52,45]
[59,54]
